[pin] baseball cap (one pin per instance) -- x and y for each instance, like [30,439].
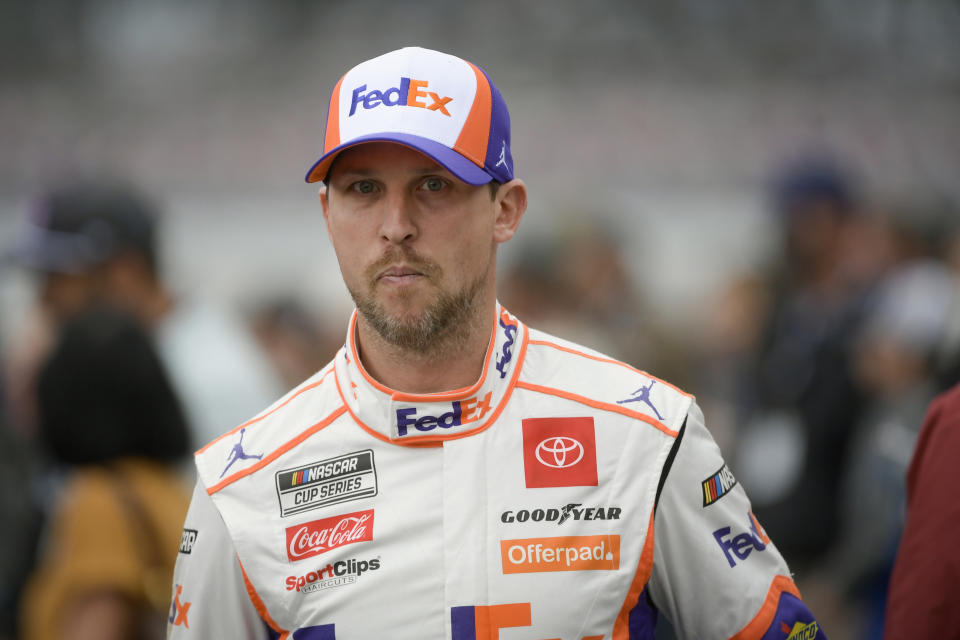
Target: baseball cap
[76,226]
[813,177]
[433,102]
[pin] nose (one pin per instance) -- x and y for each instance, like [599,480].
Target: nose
[398,225]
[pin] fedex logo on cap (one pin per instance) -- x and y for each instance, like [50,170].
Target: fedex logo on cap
[410,93]
[440,105]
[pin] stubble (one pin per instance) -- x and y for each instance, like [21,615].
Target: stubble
[440,328]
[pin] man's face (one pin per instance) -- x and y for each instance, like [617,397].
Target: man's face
[416,245]
[64,295]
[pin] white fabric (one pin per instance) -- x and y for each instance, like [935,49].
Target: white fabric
[689,562]
[227,595]
[452,527]
[446,75]
[219,373]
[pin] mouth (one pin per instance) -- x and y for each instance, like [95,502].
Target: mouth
[400,274]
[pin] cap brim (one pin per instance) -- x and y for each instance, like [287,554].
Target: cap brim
[50,251]
[458,165]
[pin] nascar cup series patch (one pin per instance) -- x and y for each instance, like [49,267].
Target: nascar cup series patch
[717,485]
[348,477]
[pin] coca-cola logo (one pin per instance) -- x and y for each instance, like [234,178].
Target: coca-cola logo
[319,536]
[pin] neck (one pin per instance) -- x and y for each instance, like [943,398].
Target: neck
[455,361]
[156,306]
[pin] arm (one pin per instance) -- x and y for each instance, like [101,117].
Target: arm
[209,595]
[922,602]
[101,615]
[716,574]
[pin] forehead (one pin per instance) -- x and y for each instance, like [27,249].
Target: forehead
[379,158]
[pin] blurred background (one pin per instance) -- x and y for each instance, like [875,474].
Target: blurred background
[755,200]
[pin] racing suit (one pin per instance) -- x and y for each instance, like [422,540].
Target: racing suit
[564,495]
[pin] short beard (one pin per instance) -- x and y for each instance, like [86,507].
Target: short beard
[443,326]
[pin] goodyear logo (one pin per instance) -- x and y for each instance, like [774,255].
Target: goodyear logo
[325,482]
[802,631]
[410,93]
[717,485]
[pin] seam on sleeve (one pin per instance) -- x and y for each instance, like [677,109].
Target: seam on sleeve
[668,464]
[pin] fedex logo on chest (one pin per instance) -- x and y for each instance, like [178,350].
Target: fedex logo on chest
[461,412]
[409,93]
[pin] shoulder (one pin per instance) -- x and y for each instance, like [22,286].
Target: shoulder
[249,446]
[89,495]
[555,366]
[945,406]
[940,433]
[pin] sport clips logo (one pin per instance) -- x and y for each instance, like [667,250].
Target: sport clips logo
[319,536]
[335,574]
[410,93]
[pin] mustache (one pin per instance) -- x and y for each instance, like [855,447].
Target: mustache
[402,255]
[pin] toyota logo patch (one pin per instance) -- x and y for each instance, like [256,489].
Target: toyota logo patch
[559,452]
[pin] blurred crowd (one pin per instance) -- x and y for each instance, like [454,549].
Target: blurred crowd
[110,385]
[814,373]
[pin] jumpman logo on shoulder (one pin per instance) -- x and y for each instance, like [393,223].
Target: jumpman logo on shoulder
[237,453]
[643,395]
[503,155]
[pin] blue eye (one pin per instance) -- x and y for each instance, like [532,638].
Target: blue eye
[434,183]
[363,186]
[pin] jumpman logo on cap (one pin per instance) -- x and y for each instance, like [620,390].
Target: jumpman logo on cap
[503,155]
[643,395]
[237,453]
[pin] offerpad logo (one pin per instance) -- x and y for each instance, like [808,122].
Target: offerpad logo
[569,553]
[559,452]
[319,536]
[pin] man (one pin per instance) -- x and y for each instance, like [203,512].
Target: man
[96,242]
[926,574]
[453,473]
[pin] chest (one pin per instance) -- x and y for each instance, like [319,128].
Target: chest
[532,529]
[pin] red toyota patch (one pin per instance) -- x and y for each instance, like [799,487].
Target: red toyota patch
[559,452]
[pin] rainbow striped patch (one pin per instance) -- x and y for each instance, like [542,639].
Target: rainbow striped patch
[718,485]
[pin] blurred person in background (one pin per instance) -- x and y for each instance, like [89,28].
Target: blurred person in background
[297,342]
[727,345]
[894,362]
[111,423]
[577,284]
[531,285]
[943,234]
[922,599]
[20,518]
[804,399]
[97,242]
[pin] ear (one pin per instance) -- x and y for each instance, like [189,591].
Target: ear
[325,204]
[510,203]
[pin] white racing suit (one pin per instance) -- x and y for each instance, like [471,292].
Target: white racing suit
[565,495]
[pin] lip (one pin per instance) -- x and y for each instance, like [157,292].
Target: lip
[399,273]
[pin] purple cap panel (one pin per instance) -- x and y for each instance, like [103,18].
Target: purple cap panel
[449,159]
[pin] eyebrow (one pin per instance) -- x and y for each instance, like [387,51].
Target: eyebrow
[362,172]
